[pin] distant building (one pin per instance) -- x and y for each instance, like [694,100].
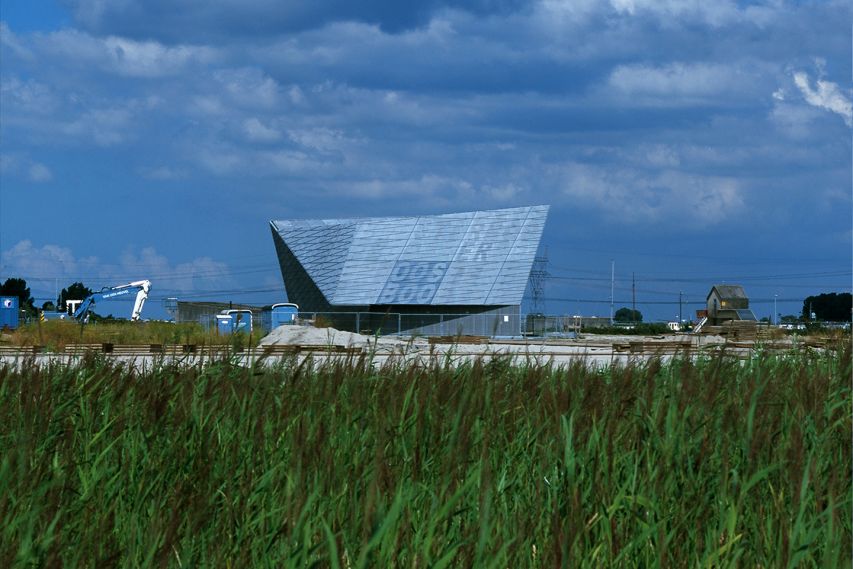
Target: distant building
[461,273]
[205,312]
[728,302]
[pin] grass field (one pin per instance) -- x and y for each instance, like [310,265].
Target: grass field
[711,463]
[56,334]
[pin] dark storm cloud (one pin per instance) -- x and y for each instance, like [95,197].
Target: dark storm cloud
[202,20]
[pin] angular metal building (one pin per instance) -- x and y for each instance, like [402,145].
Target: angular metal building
[462,273]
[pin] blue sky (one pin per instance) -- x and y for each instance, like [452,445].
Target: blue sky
[690,142]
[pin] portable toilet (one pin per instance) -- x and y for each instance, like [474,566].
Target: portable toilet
[232,321]
[224,324]
[8,312]
[282,314]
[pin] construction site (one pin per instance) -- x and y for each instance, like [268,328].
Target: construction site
[412,288]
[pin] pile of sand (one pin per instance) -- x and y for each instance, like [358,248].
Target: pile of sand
[292,334]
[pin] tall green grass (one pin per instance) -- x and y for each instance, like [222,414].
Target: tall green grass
[712,463]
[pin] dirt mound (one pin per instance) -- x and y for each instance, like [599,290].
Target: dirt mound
[291,334]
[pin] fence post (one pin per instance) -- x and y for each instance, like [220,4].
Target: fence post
[358,322]
[399,324]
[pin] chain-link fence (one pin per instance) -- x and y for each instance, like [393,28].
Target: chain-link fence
[395,323]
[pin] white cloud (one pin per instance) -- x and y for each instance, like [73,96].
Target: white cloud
[688,81]
[249,87]
[669,13]
[12,42]
[45,267]
[715,14]
[219,159]
[40,173]
[29,96]
[106,127]
[121,56]
[428,187]
[163,173]
[660,155]
[151,59]
[504,193]
[322,139]
[202,273]
[256,131]
[793,119]
[20,165]
[51,267]
[208,105]
[289,161]
[634,196]
[297,97]
[826,96]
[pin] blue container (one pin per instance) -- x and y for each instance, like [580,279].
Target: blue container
[233,321]
[283,314]
[224,324]
[56,316]
[9,312]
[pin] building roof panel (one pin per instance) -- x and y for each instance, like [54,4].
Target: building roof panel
[481,257]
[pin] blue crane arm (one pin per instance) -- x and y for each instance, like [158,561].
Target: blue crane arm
[87,303]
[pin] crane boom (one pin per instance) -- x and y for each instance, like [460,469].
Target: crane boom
[141,288]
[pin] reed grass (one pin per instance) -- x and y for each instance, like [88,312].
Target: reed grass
[707,463]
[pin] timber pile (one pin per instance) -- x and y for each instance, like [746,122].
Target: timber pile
[20,350]
[652,347]
[734,330]
[458,340]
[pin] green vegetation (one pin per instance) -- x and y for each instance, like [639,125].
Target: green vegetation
[57,334]
[830,307]
[712,463]
[628,315]
[18,287]
[74,291]
[638,329]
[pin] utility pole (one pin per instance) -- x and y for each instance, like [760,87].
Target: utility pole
[633,298]
[612,279]
[538,275]
[680,319]
[775,314]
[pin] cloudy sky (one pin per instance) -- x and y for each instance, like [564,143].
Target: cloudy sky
[690,142]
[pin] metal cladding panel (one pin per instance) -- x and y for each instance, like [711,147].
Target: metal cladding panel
[320,245]
[375,248]
[431,236]
[476,258]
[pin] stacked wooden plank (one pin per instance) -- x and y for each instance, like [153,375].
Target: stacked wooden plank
[458,340]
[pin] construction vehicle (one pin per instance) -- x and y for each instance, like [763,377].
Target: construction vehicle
[110,292]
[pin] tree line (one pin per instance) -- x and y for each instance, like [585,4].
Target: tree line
[827,307]
[18,287]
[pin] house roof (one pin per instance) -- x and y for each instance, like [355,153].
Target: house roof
[728,292]
[474,258]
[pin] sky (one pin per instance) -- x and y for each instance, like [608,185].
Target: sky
[679,143]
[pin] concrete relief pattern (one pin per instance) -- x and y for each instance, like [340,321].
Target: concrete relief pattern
[413,282]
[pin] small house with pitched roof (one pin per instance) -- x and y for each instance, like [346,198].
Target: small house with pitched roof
[728,302]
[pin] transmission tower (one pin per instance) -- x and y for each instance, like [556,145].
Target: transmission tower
[538,275]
